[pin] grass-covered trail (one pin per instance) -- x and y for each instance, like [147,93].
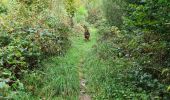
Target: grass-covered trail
[79,51]
[63,78]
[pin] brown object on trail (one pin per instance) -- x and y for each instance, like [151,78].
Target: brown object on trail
[86,33]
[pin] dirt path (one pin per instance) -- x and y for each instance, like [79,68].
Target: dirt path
[83,93]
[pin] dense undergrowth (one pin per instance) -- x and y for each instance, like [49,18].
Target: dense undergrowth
[116,74]
[28,34]
[132,61]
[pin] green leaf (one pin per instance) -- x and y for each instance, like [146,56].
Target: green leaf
[2,85]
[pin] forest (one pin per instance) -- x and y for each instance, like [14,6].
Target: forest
[84,49]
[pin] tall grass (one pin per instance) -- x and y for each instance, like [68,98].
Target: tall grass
[58,77]
[107,74]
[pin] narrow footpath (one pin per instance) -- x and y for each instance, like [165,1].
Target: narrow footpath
[65,80]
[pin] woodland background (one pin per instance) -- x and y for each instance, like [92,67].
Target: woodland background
[129,60]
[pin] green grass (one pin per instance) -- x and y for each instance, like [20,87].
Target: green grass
[107,78]
[58,77]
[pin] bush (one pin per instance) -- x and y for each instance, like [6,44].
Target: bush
[94,15]
[113,11]
[143,43]
[149,43]
[3,8]
[123,53]
[25,40]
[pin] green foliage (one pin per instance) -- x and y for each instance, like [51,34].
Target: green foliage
[132,63]
[106,69]
[113,10]
[118,53]
[142,46]
[147,23]
[4,40]
[71,9]
[35,6]
[94,11]
[81,14]
[28,35]
[147,82]
[3,8]
[151,15]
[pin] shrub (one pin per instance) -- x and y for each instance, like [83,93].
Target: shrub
[113,11]
[144,42]
[149,43]
[124,54]
[3,8]
[94,15]
[25,40]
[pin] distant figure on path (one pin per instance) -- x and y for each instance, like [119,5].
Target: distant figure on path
[86,33]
